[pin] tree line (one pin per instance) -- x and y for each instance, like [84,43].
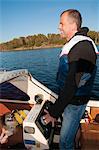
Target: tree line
[40,41]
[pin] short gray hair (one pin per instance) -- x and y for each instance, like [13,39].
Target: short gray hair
[74,14]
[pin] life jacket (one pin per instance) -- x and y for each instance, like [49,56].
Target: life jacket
[83,88]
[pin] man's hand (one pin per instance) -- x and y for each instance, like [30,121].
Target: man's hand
[48,118]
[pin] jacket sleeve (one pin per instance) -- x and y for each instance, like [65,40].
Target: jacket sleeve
[67,93]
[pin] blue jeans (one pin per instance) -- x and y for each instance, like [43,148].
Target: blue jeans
[71,119]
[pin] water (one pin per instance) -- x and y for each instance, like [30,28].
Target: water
[42,64]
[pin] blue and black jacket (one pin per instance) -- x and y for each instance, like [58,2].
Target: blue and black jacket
[76,73]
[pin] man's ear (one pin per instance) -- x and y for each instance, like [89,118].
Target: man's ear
[74,26]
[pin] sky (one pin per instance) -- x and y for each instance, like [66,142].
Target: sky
[21,18]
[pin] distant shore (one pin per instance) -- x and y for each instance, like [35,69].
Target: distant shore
[40,41]
[33,48]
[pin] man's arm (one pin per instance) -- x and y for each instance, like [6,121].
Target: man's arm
[66,93]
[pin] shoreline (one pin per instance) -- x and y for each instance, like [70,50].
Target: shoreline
[32,48]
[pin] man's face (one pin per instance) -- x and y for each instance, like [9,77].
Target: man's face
[65,26]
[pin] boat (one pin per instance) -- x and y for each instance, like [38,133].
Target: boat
[20,92]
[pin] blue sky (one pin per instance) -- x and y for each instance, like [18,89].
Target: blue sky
[20,18]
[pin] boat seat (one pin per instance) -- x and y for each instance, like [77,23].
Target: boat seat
[9,91]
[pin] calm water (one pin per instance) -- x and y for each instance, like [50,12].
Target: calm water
[42,64]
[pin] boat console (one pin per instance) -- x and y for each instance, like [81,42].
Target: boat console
[37,134]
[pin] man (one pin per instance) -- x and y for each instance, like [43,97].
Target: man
[75,77]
